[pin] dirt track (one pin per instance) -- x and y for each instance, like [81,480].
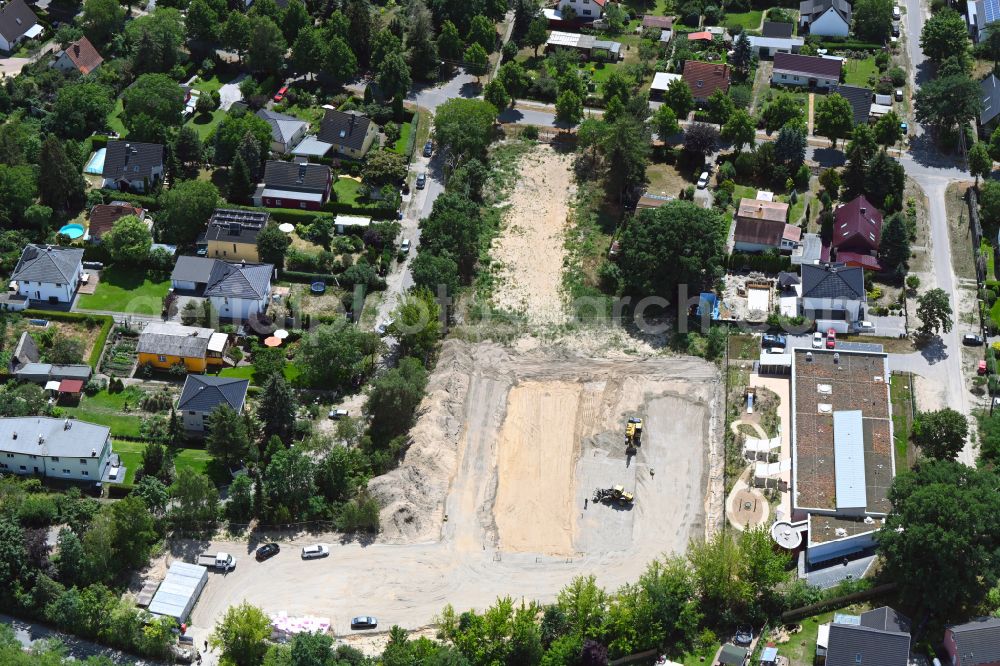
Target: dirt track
[489,500]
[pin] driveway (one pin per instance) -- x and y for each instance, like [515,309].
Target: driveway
[230,93]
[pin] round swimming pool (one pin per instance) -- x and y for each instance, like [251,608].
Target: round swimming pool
[72,230]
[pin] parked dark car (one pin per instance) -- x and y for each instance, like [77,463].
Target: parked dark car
[972,340]
[267,551]
[772,340]
[421,181]
[428,148]
[364,622]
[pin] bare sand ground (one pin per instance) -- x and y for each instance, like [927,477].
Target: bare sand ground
[528,254]
[482,507]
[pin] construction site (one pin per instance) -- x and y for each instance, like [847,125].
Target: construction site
[495,495]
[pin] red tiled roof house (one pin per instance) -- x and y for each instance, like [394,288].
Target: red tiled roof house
[704,78]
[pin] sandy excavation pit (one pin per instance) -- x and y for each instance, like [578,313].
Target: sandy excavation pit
[509,445]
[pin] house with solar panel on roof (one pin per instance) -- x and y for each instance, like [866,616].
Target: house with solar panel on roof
[979,14]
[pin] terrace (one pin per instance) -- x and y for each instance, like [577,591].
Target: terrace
[823,385]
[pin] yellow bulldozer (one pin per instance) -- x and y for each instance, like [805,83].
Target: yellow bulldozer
[633,433]
[616,494]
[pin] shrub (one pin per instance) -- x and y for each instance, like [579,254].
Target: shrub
[530,132]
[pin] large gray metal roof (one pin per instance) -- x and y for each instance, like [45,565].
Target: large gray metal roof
[179,591]
[172,339]
[46,436]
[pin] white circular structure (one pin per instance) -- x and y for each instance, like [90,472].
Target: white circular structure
[785,535]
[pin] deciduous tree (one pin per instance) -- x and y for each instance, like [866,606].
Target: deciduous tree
[834,118]
[934,312]
[941,434]
[944,34]
[679,98]
[227,439]
[184,209]
[241,634]
[739,130]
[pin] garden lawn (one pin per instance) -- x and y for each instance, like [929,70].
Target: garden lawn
[749,20]
[900,393]
[108,409]
[131,455]
[858,71]
[291,372]
[987,251]
[404,139]
[210,85]
[126,290]
[115,119]
[347,191]
[205,124]
[995,313]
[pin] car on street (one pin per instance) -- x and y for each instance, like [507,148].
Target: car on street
[404,247]
[817,342]
[421,180]
[428,148]
[771,340]
[280,95]
[831,339]
[364,622]
[312,552]
[703,180]
[895,29]
[267,551]
[972,340]
[895,13]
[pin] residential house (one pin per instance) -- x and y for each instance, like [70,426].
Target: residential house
[104,216]
[880,636]
[17,23]
[232,234]
[132,166]
[202,394]
[286,131]
[979,14]
[761,226]
[56,448]
[857,233]
[775,38]
[239,291]
[833,295]
[990,87]
[80,56]
[587,10]
[349,133]
[163,345]
[587,45]
[792,69]
[294,185]
[661,81]
[48,274]
[975,643]
[827,18]
[704,78]
[860,100]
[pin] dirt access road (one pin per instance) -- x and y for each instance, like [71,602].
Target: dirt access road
[489,500]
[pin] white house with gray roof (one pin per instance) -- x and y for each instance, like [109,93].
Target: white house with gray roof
[203,394]
[48,274]
[55,448]
[286,131]
[237,290]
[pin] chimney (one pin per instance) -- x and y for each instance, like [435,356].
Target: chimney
[93,453]
[67,425]
[863,210]
[15,434]
[41,438]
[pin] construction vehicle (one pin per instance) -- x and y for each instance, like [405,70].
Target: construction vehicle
[633,433]
[611,495]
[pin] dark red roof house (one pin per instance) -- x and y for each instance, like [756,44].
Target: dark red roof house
[704,78]
[857,227]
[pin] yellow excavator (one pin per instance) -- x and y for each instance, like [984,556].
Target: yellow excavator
[616,494]
[633,433]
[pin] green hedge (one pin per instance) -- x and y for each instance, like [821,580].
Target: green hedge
[298,216]
[767,263]
[106,322]
[295,216]
[851,45]
[373,212]
[148,202]
[98,141]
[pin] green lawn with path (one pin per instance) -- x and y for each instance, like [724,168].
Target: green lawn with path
[403,142]
[115,119]
[291,372]
[108,409]
[127,290]
[205,123]
[347,191]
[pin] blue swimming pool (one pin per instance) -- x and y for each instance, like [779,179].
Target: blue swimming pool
[74,231]
[96,163]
